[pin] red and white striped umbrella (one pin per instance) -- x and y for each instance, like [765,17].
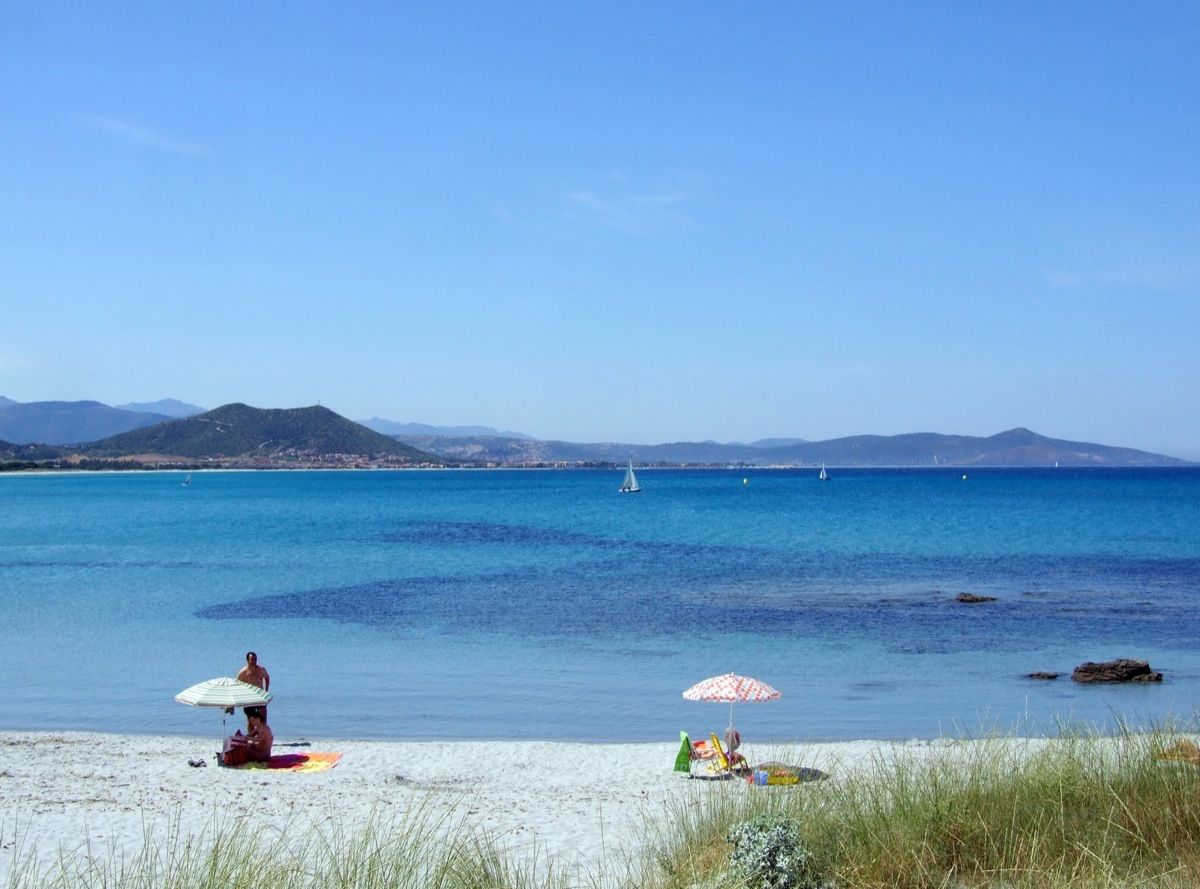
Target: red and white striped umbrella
[732,687]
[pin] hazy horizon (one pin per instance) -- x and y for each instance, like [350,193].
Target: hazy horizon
[620,223]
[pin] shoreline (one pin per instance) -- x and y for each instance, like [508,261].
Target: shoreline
[206,738]
[648,467]
[107,795]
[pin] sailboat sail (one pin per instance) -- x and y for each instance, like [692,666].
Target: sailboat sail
[824,476]
[630,485]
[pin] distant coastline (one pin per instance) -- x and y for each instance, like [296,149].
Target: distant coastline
[134,469]
[238,436]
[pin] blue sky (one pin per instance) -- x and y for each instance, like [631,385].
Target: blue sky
[612,222]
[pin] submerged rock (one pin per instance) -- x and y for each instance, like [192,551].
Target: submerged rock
[972,598]
[1120,670]
[1043,674]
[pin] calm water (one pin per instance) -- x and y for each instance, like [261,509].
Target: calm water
[454,604]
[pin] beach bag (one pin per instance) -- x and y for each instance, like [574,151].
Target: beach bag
[234,756]
[683,759]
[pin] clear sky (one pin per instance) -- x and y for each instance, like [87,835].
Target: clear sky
[638,222]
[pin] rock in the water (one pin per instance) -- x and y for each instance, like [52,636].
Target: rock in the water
[972,598]
[1044,674]
[1120,670]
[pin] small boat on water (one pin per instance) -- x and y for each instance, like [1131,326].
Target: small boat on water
[187,481]
[824,476]
[630,485]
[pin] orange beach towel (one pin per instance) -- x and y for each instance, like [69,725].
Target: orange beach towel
[297,762]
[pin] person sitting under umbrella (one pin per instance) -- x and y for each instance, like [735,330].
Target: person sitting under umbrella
[733,740]
[254,746]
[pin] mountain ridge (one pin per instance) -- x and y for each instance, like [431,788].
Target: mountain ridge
[237,434]
[1013,447]
[168,407]
[68,422]
[394,428]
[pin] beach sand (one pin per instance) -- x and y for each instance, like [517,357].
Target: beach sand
[74,794]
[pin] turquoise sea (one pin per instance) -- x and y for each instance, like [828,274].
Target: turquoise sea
[545,605]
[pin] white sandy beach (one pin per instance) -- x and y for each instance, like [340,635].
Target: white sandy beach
[93,794]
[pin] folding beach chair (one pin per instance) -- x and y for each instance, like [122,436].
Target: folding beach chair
[689,751]
[731,762]
[693,751]
[717,763]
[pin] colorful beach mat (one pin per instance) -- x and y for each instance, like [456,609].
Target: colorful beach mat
[297,762]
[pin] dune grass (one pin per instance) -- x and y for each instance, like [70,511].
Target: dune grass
[1075,812]
[423,849]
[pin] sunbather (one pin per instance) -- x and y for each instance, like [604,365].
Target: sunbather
[254,746]
[733,739]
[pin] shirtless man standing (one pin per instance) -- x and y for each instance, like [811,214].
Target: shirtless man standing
[254,674]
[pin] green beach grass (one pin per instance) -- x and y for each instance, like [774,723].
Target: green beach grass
[1081,811]
[422,849]
[1074,812]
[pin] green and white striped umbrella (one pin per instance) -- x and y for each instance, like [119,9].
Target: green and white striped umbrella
[224,692]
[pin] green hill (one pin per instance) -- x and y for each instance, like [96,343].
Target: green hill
[241,432]
[16,457]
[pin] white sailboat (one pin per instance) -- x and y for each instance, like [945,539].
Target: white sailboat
[824,476]
[630,485]
[187,481]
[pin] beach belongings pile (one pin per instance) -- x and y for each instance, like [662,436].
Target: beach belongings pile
[1181,751]
[774,773]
